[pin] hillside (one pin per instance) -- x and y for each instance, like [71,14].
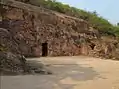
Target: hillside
[27,27]
[96,21]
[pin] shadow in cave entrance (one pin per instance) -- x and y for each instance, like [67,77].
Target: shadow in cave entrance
[44,49]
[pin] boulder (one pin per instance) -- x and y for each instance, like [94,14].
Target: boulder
[14,64]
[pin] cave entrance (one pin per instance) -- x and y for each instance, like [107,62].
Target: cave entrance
[44,49]
[92,46]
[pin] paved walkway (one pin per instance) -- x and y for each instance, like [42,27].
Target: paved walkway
[69,73]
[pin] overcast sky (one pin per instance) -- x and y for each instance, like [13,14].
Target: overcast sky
[109,9]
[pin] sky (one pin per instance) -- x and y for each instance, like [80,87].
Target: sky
[109,9]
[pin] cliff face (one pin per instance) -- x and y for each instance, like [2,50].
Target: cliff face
[29,27]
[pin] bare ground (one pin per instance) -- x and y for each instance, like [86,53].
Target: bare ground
[69,73]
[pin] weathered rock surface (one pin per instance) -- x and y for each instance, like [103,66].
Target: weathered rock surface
[14,64]
[11,63]
[29,26]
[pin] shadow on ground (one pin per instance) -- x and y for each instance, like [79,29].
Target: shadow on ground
[65,76]
[34,67]
[69,74]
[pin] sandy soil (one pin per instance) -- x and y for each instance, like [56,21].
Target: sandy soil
[69,73]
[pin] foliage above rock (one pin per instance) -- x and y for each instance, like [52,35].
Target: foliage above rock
[93,18]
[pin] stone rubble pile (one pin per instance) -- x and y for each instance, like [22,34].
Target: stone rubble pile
[13,64]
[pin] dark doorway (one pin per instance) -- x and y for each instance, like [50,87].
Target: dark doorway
[92,45]
[44,49]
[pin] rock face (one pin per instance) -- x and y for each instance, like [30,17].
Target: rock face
[7,42]
[14,64]
[11,63]
[30,27]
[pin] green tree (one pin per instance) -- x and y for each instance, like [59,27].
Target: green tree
[117,24]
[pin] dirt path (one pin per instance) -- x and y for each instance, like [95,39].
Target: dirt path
[69,73]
